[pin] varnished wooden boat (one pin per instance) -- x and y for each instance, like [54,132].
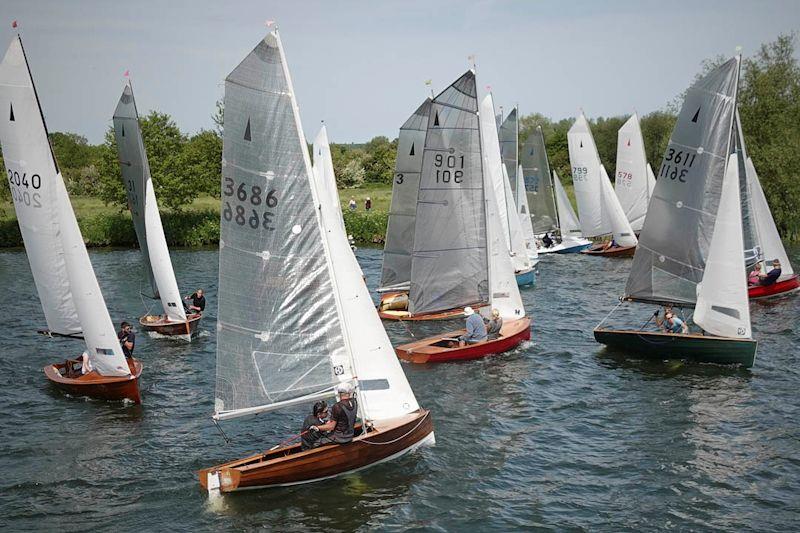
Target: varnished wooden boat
[693,347]
[779,288]
[438,349]
[289,465]
[388,311]
[93,385]
[159,324]
[615,251]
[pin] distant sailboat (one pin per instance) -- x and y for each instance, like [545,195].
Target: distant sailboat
[598,211]
[634,182]
[147,223]
[63,274]
[295,320]
[698,197]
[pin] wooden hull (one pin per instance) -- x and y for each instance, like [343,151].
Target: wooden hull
[780,288]
[289,465]
[525,278]
[436,349]
[699,348]
[157,324]
[403,314]
[616,251]
[93,385]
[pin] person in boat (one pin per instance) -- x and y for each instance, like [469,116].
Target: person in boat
[343,416]
[755,275]
[86,364]
[127,339]
[772,276]
[547,241]
[494,325]
[198,304]
[476,330]
[671,323]
[310,435]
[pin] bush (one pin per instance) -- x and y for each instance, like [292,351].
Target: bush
[366,226]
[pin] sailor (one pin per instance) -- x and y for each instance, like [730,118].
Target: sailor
[198,301]
[671,323]
[310,435]
[86,363]
[476,331]
[755,275]
[547,241]
[343,416]
[772,276]
[127,339]
[494,325]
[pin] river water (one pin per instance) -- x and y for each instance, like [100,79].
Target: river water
[558,434]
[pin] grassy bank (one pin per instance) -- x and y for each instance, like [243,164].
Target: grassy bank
[198,225]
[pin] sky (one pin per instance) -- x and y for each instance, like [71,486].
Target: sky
[361,66]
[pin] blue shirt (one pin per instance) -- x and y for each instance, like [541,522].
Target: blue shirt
[677,325]
[476,331]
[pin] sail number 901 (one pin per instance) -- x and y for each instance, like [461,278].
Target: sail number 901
[449,168]
[252,197]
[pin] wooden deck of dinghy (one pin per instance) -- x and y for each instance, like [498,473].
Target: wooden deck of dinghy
[289,465]
[616,251]
[437,350]
[779,288]
[160,324]
[93,385]
[403,314]
[691,346]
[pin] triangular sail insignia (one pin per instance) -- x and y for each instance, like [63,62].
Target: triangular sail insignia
[11,118]
[696,115]
[436,119]
[581,144]
[629,142]
[412,149]
[247,131]
[123,131]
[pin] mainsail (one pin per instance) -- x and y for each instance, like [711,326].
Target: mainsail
[324,174]
[586,175]
[525,218]
[633,183]
[32,172]
[143,206]
[538,187]
[509,149]
[396,271]
[673,246]
[449,262]
[289,305]
[768,237]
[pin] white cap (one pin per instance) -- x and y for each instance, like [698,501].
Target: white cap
[344,388]
[468,311]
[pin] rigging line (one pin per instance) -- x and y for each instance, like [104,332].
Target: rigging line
[224,436]
[609,314]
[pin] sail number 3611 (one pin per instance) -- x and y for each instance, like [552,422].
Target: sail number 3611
[251,200]
[676,164]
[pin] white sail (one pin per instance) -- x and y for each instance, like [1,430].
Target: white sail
[567,219]
[622,232]
[525,217]
[143,206]
[324,173]
[632,182]
[519,252]
[722,306]
[770,240]
[31,171]
[294,317]
[651,180]
[586,175]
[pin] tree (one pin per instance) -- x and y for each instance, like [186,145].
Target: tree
[348,164]
[656,130]
[202,161]
[379,163]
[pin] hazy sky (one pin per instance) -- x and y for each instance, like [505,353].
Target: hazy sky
[361,66]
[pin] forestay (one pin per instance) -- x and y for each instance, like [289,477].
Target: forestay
[722,305]
[621,228]
[673,246]
[633,183]
[449,262]
[32,176]
[396,270]
[538,187]
[586,176]
[567,219]
[143,206]
[508,134]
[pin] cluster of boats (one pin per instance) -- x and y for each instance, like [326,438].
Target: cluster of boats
[471,213]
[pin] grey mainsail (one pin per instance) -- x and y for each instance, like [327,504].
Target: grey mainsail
[509,149]
[396,271]
[538,183]
[673,247]
[449,263]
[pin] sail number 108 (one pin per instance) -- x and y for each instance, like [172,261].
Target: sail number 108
[449,168]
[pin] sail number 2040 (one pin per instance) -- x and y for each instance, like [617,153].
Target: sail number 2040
[20,185]
[251,199]
[449,168]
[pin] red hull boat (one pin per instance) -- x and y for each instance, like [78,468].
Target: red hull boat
[394,306]
[779,288]
[438,349]
[70,380]
[616,251]
[159,324]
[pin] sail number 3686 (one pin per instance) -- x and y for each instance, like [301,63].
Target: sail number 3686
[449,168]
[253,197]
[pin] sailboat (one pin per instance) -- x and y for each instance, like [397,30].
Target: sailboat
[147,223]
[509,217]
[68,290]
[550,208]
[762,242]
[294,320]
[448,261]
[399,246]
[634,182]
[697,197]
[599,211]
[460,132]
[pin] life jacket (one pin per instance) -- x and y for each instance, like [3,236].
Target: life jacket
[344,430]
